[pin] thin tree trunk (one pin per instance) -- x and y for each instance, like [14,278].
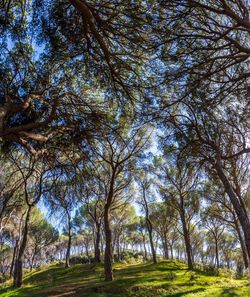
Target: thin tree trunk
[108,256]
[86,244]
[150,233]
[145,249]
[165,246]
[148,224]
[33,259]
[187,240]
[67,256]
[108,259]
[171,252]
[118,248]
[14,257]
[18,273]
[97,244]
[217,254]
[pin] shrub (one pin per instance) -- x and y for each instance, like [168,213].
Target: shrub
[225,272]
[138,255]
[80,260]
[131,257]
[2,279]
[246,274]
[239,273]
[171,276]
[193,276]
[210,269]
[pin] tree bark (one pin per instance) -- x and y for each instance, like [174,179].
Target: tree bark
[242,245]
[165,246]
[150,234]
[148,224]
[97,244]
[33,259]
[18,273]
[108,258]
[241,214]
[187,240]
[217,253]
[67,256]
[145,249]
[171,251]
[118,248]
[86,244]
[14,257]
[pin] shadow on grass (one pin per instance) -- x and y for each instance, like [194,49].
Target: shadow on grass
[146,279]
[59,279]
[5,290]
[179,294]
[58,273]
[22,292]
[163,266]
[228,292]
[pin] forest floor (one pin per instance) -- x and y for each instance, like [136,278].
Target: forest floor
[167,278]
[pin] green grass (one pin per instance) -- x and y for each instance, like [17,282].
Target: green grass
[143,280]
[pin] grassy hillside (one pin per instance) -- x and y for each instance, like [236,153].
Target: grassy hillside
[168,278]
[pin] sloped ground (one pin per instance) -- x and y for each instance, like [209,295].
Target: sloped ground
[168,278]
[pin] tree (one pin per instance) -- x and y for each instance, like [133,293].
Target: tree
[142,230]
[223,210]
[85,46]
[11,183]
[210,68]
[206,46]
[91,212]
[41,235]
[35,184]
[116,152]
[109,40]
[229,248]
[62,201]
[215,229]
[179,187]
[163,218]
[216,138]
[144,184]
[122,219]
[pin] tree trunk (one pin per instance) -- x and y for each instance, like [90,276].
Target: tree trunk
[102,243]
[148,224]
[86,244]
[67,256]
[118,248]
[33,259]
[242,244]
[18,273]
[108,256]
[108,247]
[239,210]
[217,254]
[97,243]
[165,246]
[14,257]
[145,249]
[187,241]
[171,251]
[150,233]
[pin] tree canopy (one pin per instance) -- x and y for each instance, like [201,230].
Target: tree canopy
[124,134]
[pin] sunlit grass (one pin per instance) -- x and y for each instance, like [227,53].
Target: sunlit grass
[167,278]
